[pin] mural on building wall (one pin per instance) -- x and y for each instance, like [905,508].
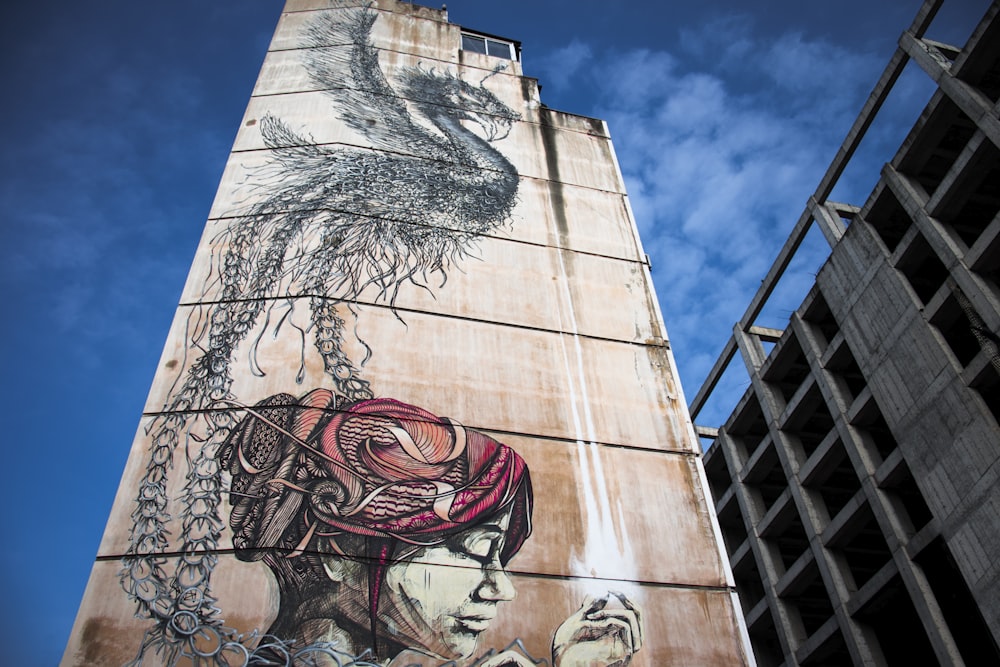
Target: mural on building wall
[386,527]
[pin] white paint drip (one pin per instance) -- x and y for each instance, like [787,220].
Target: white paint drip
[607,549]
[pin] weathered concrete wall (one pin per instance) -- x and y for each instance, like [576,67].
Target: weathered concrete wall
[402,219]
[947,440]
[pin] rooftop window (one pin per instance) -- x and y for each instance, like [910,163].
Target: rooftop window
[488,46]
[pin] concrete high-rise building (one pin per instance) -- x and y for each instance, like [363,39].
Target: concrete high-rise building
[857,481]
[417,403]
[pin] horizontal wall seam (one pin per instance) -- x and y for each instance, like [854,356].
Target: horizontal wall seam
[485,429]
[510,571]
[248,151]
[640,261]
[261,96]
[663,343]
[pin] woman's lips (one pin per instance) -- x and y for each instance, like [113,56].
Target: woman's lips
[476,623]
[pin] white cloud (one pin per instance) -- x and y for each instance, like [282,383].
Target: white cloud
[722,141]
[96,200]
[559,66]
[803,66]
[725,39]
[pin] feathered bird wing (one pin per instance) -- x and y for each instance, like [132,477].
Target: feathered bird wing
[342,60]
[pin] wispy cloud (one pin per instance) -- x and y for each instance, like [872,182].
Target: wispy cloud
[722,139]
[96,197]
[561,65]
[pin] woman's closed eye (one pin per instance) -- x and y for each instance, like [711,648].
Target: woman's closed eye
[480,545]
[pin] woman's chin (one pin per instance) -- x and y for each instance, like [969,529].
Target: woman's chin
[462,641]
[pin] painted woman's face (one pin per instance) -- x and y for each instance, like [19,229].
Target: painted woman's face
[443,597]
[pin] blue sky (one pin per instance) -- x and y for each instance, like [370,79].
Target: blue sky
[119,117]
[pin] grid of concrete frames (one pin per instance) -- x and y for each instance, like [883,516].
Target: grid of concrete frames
[857,481]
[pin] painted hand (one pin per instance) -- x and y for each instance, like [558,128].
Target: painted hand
[598,634]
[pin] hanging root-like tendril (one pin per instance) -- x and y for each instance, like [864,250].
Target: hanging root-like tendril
[195,644]
[332,225]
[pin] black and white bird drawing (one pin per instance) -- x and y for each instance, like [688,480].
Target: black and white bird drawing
[331,222]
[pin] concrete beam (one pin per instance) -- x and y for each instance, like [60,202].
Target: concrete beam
[766,333]
[706,431]
[973,103]
[829,221]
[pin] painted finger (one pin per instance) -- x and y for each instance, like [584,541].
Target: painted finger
[615,635]
[592,605]
[627,619]
[637,610]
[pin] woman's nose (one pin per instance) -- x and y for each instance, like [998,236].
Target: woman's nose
[497,586]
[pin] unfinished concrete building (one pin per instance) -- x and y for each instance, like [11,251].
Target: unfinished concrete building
[856,481]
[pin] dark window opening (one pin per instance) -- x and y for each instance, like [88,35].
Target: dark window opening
[958,607]
[836,482]
[818,314]
[893,619]
[987,264]
[790,538]
[956,330]
[983,203]
[982,69]
[944,154]
[988,386]
[830,653]
[787,368]
[875,429]
[889,219]
[905,495]
[922,269]
[812,601]
[748,427]
[939,142]
[843,365]
[717,472]
[767,478]
[864,547]
[766,646]
[734,532]
[771,487]
[810,422]
[748,584]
